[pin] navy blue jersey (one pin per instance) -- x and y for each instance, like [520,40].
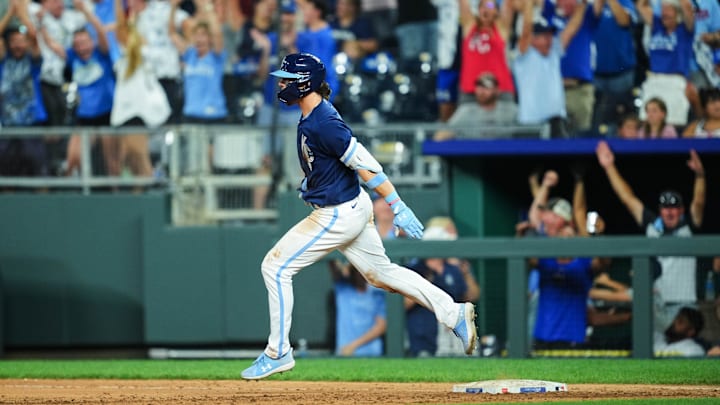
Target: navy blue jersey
[322,138]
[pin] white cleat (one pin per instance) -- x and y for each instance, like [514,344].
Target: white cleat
[465,328]
[265,366]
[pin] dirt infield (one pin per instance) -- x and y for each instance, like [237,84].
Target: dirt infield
[296,392]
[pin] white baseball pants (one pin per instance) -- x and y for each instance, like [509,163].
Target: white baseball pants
[349,228]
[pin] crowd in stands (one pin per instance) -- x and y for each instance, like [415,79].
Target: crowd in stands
[569,296]
[645,69]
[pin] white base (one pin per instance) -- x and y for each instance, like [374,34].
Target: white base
[510,387]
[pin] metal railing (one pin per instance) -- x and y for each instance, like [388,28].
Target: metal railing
[83,180]
[220,173]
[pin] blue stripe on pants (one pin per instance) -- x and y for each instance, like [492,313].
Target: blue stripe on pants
[285,265]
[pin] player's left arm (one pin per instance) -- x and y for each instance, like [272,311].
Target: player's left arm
[404,217]
[357,158]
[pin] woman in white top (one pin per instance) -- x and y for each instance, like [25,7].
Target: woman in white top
[139,99]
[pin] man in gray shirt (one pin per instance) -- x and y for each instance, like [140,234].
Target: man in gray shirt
[487,117]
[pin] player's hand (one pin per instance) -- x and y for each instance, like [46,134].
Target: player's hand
[406,220]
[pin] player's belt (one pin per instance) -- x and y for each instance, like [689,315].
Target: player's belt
[318,206]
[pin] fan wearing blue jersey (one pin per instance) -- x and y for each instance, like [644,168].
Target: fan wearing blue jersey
[342,218]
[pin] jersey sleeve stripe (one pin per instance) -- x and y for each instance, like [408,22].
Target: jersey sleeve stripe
[350,151]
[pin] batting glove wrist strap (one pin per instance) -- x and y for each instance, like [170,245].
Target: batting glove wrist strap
[392,199]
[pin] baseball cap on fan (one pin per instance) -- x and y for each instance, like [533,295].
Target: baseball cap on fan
[486,80]
[542,26]
[287,6]
[670,198]
[561,207]
[437,233]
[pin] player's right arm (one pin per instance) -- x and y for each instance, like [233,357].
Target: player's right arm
[622,189]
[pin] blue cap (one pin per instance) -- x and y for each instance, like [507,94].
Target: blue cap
[541,26]
[287,6]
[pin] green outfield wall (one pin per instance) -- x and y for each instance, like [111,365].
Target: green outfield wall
[109,270]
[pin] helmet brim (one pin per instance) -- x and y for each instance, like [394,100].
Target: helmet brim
[285,75]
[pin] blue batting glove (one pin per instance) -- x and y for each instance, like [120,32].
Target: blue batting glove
[406,220]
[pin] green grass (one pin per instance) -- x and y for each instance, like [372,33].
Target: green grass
[571,371]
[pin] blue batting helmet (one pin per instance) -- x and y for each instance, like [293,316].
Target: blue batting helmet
[307,73]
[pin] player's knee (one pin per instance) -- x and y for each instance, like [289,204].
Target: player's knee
[375,279]
[269,266]
[372,279]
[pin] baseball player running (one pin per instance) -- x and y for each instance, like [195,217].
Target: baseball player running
[332,159]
